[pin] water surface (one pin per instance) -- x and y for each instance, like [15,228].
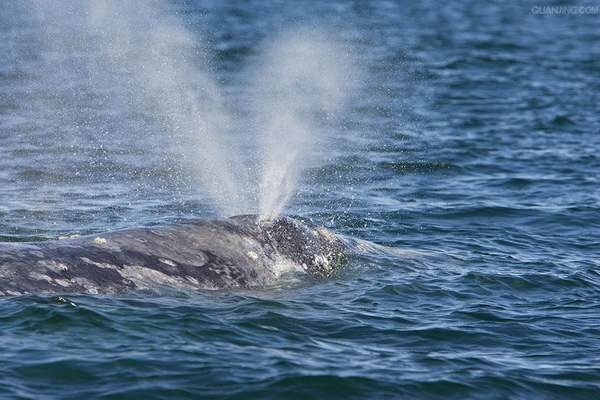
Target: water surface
[471,140]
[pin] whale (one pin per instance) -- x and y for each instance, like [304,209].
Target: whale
[240,252]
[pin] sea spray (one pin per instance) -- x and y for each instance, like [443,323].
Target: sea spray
[303,83]
[137,63]
[140,60]
[176,77]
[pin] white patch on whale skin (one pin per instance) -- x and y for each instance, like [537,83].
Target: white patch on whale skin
[97,264]
[146,277]
[168,262]
[322,261]
[103,243]
[193,280]
[39,277]
[197,259]
[52,266]
[252,255]
[87,285]
[72,236]
[283,266]
[63,282]
[36,253]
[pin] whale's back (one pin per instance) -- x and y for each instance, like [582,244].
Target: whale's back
[239,252]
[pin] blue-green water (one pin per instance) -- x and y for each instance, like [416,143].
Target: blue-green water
[471,143]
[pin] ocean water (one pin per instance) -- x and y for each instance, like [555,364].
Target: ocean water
[468,142]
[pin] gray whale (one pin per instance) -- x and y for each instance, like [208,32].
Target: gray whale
[237,252]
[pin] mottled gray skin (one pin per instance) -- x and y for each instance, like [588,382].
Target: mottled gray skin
[239,252]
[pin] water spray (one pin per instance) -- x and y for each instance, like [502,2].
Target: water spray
[137,58]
